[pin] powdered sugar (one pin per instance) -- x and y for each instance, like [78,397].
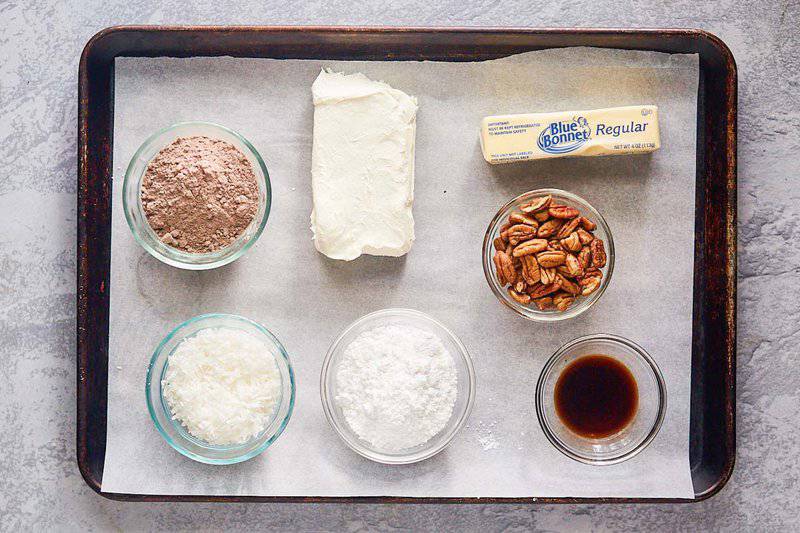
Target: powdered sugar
[486,435]
[396,386]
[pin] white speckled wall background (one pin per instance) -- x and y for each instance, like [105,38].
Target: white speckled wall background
[40,486]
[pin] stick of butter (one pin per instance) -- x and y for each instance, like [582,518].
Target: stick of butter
[612,131]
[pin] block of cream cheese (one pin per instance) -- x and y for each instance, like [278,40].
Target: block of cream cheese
[362,167]
[612,131]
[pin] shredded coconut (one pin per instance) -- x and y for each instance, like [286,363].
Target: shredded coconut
[396,386]
[222,384]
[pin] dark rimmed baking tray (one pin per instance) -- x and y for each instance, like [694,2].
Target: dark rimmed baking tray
[712,424]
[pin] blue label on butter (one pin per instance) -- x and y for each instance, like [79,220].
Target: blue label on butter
[561,137]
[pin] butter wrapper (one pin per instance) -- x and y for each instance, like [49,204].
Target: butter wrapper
[612,131]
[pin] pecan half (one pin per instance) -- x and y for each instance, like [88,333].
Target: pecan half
[549,228]
[498,268]
[563,211]
[572,243]
[544,303]
[524,299]
[541,216]
[564,271]
[573,266]
[547,275]
[587,224]
[551,258]
[520,232]
[499,243]
[568,228]
[562,301]
[522,218]
[530,270]
[507,267]
[530,247]
[598,253]
[590,282]
[567,285]
[543,290]
[585,236]
[537,204]
[585,257]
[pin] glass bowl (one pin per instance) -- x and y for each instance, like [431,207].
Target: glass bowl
[634,437]
[530,311]
[134,213]
[464,398]
[173,431]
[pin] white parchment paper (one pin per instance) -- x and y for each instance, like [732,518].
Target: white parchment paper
[306,299]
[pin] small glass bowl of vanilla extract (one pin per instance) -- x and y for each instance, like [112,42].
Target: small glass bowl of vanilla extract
[601,399]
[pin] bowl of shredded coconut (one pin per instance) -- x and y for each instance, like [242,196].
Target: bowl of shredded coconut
[397,386]
[220,388]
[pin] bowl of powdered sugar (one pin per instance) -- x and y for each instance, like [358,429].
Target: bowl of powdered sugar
[196,195]
[397,386]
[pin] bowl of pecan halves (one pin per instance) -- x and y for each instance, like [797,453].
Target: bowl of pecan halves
[548,255]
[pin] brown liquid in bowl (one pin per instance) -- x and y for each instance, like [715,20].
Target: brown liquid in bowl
[596,396]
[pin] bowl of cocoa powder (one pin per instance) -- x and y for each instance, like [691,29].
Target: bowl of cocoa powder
[196,195]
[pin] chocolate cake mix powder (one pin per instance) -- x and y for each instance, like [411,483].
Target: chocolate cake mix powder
[199,194]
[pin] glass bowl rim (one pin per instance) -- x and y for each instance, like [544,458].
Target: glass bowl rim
[531,313]
[355,444]
[128,181]
[652,432]
[176,445]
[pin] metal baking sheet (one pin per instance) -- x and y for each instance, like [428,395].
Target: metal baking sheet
[457,34]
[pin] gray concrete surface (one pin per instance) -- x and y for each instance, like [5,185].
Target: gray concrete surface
[40,487]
